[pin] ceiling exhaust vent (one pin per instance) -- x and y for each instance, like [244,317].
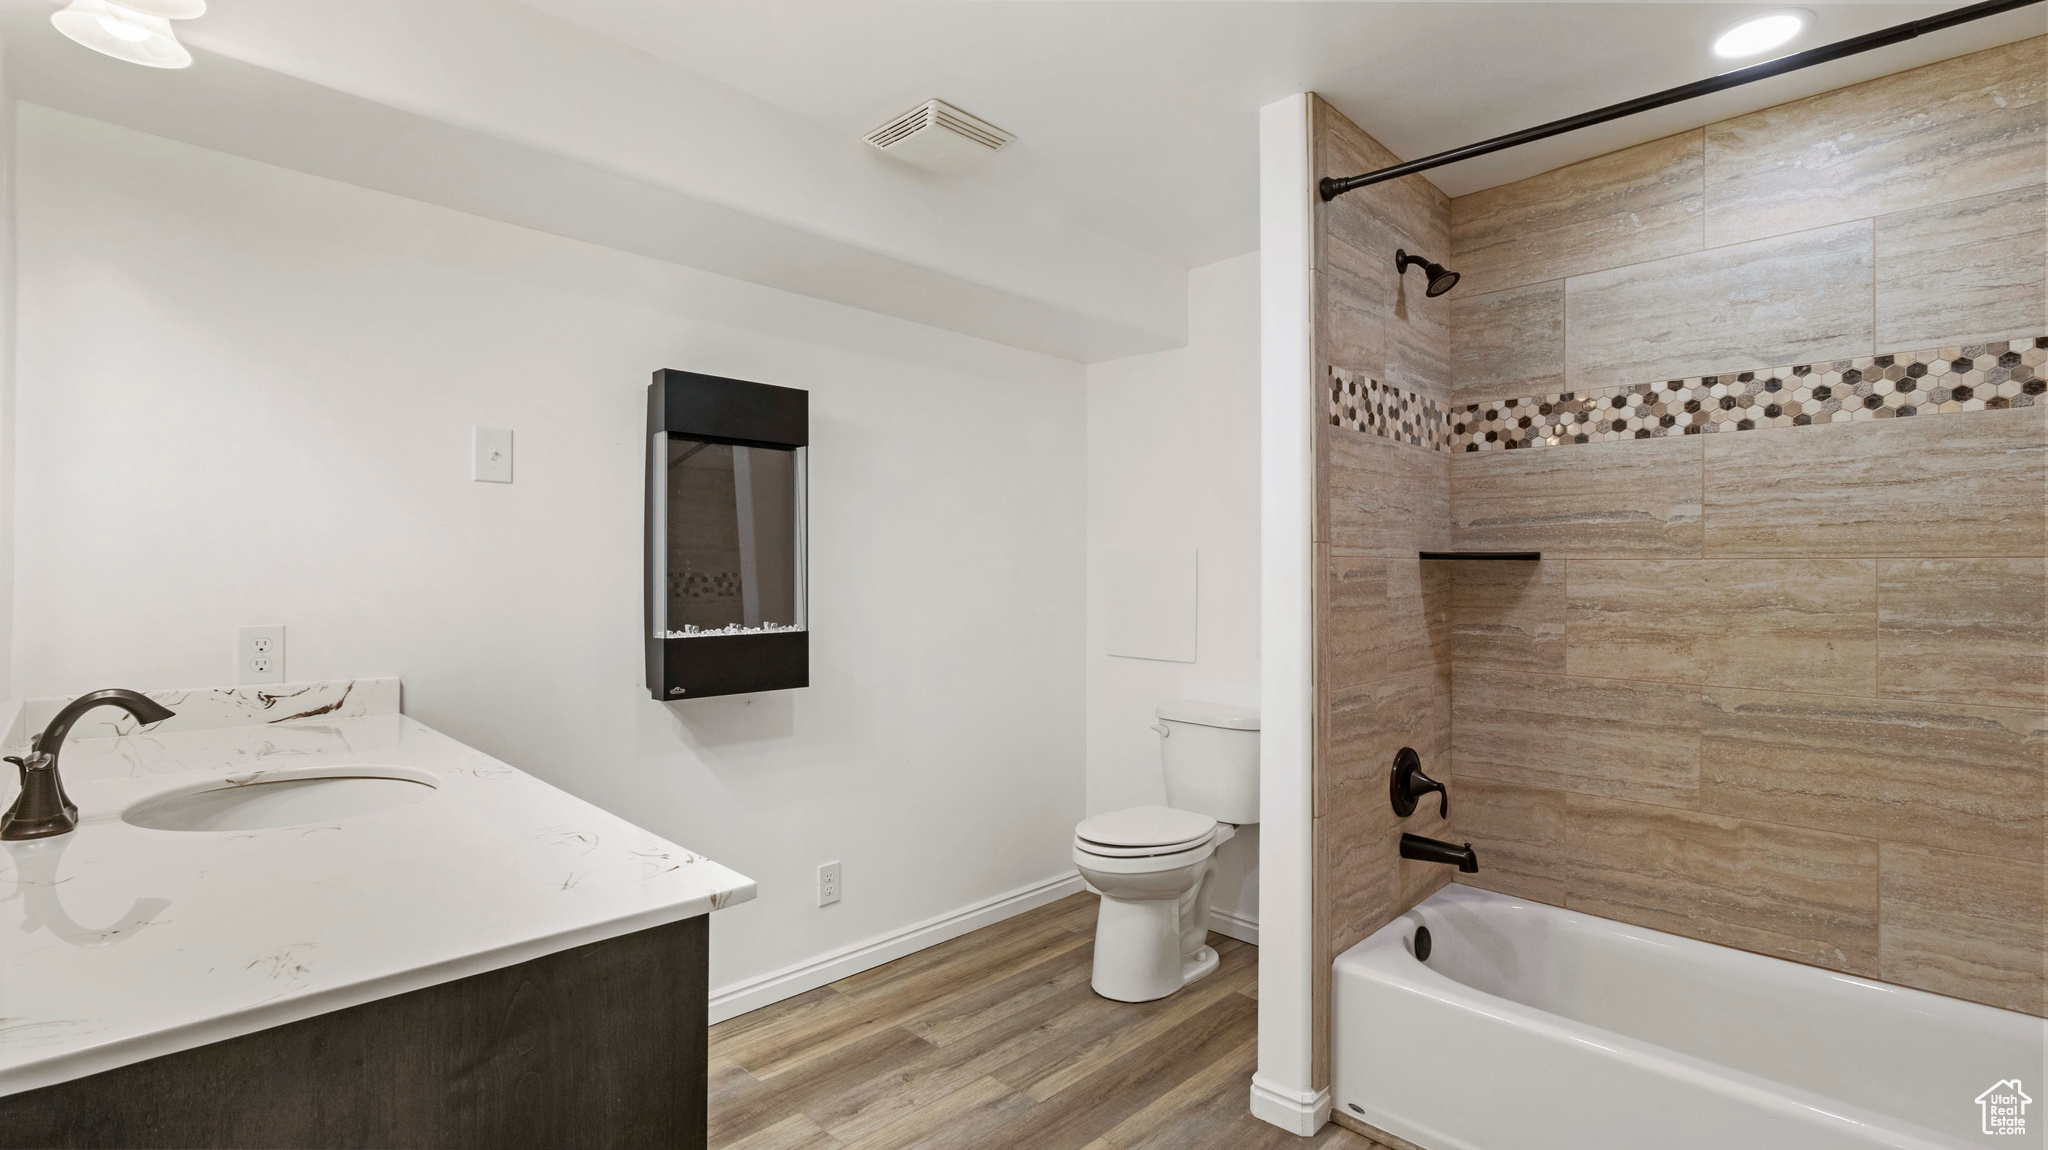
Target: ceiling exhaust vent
[938,137]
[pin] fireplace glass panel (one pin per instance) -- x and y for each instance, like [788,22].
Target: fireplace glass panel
[734,539]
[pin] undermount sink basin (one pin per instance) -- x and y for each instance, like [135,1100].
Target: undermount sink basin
[277,799]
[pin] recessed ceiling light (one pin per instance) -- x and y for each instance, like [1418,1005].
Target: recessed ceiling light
[1761,33]
[138,31]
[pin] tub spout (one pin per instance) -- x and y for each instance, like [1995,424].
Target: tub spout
[1435,850]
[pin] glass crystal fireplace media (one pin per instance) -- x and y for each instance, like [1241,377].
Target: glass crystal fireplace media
[733,539]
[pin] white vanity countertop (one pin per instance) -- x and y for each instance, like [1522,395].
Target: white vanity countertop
[119,943]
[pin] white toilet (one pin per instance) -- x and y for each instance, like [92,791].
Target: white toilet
[1155,866]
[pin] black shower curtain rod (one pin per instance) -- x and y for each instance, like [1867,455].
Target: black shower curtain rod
[1332,186]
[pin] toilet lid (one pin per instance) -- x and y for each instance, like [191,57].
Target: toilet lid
[1147,826]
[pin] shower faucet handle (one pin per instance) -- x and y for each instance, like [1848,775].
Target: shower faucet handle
[1409,784]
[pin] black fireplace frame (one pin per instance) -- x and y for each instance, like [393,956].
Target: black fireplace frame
[716,409]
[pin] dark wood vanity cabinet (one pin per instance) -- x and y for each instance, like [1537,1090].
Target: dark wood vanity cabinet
[603,1045]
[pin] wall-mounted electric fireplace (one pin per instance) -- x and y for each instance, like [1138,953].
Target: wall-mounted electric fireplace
[725,536]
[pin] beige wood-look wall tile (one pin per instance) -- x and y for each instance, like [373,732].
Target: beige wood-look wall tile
[1507,343]
[1640,203]
[1593,736]
[1635,619]
[1417,880]
[1419,341]
[1351,327]
[1930,774]
[1963,484]
[1965,925]
[1380,322]
[1362,873]
[1971,631]
[1387,618]
[1790,624]
[1508,616]
[1358,871]
[1360,325]
[1948,131]
[1381,497]
[1789,299]
[1779,890]
[1518,834]
[1411,205]
[1634,500]
[1968,271]
[1367,726]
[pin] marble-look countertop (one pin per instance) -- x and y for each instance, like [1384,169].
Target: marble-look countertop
[119,943]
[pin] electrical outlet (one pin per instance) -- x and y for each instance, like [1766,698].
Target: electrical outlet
[259,654]
[828,883]
[491,455]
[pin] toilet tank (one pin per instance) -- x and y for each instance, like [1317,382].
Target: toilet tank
[1210,756]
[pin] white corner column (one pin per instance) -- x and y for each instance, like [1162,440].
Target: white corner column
[1282,1091]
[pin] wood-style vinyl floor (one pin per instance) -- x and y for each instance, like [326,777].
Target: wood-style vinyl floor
[995,1040]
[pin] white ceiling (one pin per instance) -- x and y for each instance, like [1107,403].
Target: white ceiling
[724,133]
[1140,119]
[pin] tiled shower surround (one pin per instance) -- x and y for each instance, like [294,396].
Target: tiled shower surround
[1780,681]
[1781,678]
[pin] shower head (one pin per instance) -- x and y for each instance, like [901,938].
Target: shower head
[1441,279]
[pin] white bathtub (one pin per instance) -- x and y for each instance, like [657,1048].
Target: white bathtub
[1535,1028]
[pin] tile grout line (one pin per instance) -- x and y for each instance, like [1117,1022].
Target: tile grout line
[1703,187]
[1873,286]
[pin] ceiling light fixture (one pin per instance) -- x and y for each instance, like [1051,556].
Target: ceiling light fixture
[138,31]
[1761,33]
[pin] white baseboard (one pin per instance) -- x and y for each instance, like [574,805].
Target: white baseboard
[1294,1111]
[754,993]
[1235,926]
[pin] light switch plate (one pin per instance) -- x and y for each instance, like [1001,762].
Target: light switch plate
[491,457]
[259,655]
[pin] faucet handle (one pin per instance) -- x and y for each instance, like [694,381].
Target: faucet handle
[1409,784]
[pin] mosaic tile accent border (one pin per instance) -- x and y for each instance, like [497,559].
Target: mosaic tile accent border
[1973,377]
[1362,403]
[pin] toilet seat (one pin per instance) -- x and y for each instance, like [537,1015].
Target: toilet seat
[1185,858]
[1097,850]
[1143,831]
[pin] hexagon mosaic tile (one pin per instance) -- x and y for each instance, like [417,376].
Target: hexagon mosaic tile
[1973,377]
[1362,403]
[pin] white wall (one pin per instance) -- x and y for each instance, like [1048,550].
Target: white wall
[246,394]
[1173,462]
[6,370]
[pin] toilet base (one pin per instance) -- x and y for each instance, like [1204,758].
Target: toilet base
[1146,949]
[1152,926]
[1159,968]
